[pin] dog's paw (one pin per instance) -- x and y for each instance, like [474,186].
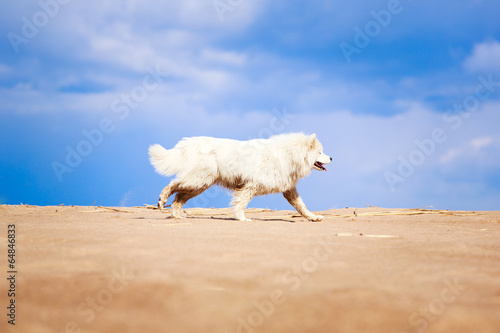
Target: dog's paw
[315,218]
[161,205]
[243,219]
[240,216]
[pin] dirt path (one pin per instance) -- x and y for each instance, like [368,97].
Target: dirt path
[119,269]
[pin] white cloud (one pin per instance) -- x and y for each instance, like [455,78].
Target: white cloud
[471,151]
[485,57]
[479,143]
[4,69]
[451,155]
[211,55]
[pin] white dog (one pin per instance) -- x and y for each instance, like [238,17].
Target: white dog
[249,168]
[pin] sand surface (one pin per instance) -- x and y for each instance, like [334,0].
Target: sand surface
[120,269]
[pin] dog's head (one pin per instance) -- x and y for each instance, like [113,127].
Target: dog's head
[320,158]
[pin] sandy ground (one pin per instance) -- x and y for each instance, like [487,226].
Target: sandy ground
[103,269]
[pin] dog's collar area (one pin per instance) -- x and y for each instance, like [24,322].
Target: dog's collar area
[319,166]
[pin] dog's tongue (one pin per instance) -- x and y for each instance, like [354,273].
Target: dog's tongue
[319,164]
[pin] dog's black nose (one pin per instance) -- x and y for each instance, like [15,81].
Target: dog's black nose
[331,159]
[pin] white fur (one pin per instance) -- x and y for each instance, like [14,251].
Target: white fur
[249,168]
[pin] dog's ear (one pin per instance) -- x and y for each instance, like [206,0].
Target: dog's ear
[313,140]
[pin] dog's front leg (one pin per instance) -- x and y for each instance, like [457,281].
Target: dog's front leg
[241,198]
[294,199]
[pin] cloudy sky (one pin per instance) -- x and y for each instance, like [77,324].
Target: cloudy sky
[405,95]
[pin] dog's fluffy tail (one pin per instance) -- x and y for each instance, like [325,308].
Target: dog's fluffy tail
[164,161]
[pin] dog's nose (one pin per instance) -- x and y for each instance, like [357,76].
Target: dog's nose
[331,159]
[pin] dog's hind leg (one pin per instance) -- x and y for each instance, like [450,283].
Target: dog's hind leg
[167,192]
[294,199]
[241,198]
[181,198]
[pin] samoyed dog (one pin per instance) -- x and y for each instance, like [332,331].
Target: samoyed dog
[248,168]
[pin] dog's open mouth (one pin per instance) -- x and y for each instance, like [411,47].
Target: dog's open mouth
[319,166]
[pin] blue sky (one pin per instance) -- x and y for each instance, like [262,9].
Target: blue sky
[405,95]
